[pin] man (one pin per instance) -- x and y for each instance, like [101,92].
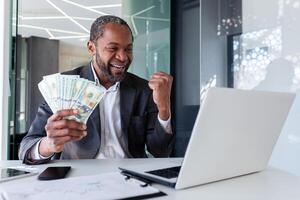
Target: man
[132,113]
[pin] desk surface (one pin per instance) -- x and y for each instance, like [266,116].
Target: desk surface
[269,184]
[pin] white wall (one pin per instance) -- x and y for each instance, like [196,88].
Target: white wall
[72,56]
[4,62]
[283,72]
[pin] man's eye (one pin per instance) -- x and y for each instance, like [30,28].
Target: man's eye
[112,48]
[128,49]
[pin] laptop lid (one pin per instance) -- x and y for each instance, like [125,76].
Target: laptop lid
[234,134]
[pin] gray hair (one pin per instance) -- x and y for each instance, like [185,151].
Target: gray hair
[97,28]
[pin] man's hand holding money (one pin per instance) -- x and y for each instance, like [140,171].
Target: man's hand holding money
[72,100]
[60,131]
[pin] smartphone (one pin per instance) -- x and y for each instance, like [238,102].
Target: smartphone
[52,173]
[7,174]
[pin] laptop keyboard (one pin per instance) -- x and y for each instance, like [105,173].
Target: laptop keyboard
[168,173]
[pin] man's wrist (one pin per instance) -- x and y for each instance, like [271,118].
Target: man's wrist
[164,114]
[166,124]
[43,148]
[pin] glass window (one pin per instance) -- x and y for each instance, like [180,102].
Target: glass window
[150,22]
[51,35]
[266,56]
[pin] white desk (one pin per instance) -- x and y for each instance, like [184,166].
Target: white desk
[270,184]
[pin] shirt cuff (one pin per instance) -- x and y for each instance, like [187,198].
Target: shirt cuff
[35,154]
[166,124]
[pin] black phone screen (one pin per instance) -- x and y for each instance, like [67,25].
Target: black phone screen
[52,173]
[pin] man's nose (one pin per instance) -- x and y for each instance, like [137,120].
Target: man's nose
[122,56]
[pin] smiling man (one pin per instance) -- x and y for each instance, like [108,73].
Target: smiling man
[133,113]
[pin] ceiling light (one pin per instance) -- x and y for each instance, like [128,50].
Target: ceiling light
[69,37]
[84,7]
[83,39]
[50,34]
[55,17]
[106,6]
[70,18]
[50,29]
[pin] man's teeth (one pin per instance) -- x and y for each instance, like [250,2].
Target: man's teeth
[119,66]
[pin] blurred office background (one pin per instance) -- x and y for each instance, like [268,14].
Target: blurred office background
[202,43]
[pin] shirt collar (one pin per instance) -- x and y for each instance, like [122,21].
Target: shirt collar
[112,88]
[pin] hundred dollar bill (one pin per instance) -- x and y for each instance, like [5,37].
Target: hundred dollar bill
[78,87]
[44,90]
[71,92]
[51,82]
[87,101]
[66,85]
[69,97]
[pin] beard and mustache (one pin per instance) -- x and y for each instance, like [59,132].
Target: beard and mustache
[107,72]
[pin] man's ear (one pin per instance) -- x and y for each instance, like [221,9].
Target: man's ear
[91,47]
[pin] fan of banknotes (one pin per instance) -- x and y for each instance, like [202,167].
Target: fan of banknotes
[71,92]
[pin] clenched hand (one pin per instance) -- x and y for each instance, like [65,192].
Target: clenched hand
[161,84]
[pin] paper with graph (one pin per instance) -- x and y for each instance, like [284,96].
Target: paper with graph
[104,186]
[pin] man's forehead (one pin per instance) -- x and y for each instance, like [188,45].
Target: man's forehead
[116,28]
[115,43]
[116,34]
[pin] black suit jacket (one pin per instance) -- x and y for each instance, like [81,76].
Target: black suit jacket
[139,122]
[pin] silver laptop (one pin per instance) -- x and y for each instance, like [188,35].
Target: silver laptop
[234,134]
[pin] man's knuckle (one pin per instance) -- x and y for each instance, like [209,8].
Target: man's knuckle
[47,127]
[67,131]
[49,134]
[49,119]
[58,113]
[73,123]
[64,123]
[67,139]
[160,81]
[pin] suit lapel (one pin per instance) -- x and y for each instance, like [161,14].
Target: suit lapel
[127,100]
[87,73]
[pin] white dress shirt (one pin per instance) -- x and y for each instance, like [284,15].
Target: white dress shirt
[112,140]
